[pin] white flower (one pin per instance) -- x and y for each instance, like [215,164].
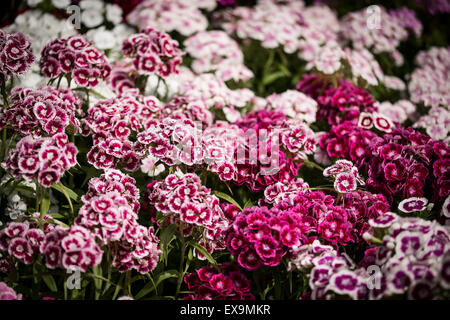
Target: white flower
[113,13]
[103,39]
[33,3]
[16,208]
[92,18]
[96,5]
[61,4]
[150,168]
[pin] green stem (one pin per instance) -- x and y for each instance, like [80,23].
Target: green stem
[181,269]
[312,164]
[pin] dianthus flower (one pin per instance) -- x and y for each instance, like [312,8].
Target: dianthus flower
[347,141]
[295,105]
[356,28]
[44,111]
[110,212]
[22,240]
[215,51]
[403,162]
[15,54]
[7,293]
[414,258]
[43,158]
[153,51]
[344,103]
[260,236]
[436,124]
[112,124]
[345,174]
[186,200]
[71,248]
[74,56]
[429,83]
[175,15]
[225,283]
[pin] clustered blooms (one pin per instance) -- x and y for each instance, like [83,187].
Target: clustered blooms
[74,57]
[294,104]
[436,124]
[7,293]
[215,94]
[403,162]
[190,205]
[15,54]
[153,51]
[224,283]
[216,51]
[344,103]
[381,31]
[345,174]
[347,141]
[45,111]
[399,111]
[260,236]
[71,248]
[290,25]
[23,240]
[413,259]
[114,124]
[429,82]
[110,211]
[43,158]
[175,15]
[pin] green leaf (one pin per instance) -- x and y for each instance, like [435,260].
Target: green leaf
[50,282]
[68,193]
[150,286]
[273,76]
[45,204]
[226,197]
[203,251]
[249,203]
[167,235]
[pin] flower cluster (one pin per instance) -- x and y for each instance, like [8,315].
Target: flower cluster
[345,174]
[216,51]
[227,283]
[344,103]
[45,159]
[399,111]
[347,141]
[403,162]
[94,11]
[44,111]
[215,94]
[15,54]
[294,104]
[191,205]
[365,33]
[114,124]
[429,82]
[413,259]
[110,211]
[436,124]
[7,293]
[23,240]
[261,237]
[75,57]
[175,15]
[71,248]
[153,51]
